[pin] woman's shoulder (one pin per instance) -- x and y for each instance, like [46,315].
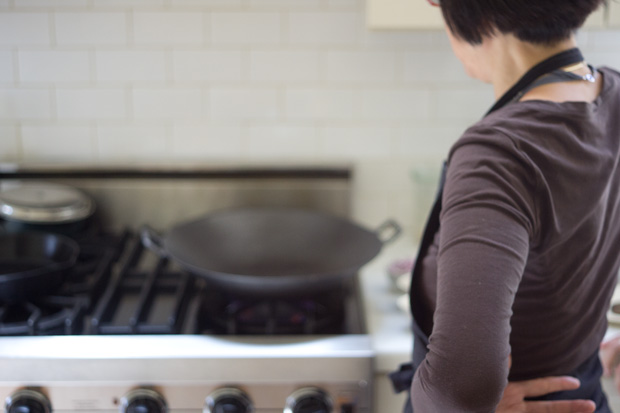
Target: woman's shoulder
[504,130]
[531,124]
[610,71]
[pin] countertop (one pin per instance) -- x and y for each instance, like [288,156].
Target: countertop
[389,326]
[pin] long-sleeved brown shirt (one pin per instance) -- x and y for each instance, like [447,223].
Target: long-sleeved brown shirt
[528,250]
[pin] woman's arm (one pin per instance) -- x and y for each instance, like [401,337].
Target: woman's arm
[486,225]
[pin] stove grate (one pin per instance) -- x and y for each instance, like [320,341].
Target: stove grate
[64,313]
[143,301]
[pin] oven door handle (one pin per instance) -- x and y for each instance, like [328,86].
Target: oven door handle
[152,240]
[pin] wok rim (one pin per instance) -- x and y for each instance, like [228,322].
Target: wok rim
[265,284]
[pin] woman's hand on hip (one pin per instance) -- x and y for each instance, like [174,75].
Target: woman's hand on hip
[513,400]
[515,393]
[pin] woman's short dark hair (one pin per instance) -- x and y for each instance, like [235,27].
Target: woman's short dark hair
[534,21]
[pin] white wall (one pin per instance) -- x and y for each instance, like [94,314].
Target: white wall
[124,81]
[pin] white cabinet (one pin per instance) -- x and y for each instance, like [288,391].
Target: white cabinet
[614,14]
[402,14]
[419,14]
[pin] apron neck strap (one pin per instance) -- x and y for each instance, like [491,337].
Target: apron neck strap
[548,65]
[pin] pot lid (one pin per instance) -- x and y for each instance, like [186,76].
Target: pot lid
[42,202]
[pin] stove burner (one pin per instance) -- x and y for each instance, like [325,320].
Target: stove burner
[64,312]
[224,314]
[120,287]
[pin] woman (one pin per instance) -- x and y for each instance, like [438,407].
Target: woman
[520,255]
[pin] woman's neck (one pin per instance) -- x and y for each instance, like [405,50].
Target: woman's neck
[510,58]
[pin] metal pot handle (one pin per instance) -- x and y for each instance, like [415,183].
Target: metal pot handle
[153,241]
[392,228]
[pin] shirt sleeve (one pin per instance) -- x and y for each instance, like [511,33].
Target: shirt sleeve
[486,225]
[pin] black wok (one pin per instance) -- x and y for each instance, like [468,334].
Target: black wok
[271,251]
[33,264]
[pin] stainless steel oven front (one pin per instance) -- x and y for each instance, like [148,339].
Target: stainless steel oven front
[131,332]
[186,373]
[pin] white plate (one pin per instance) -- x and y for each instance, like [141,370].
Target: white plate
[614,316]
[403,282]
[402,302]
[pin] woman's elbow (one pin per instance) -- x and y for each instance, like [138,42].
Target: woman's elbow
[479,391]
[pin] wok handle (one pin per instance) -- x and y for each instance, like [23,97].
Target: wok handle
[392,228]
[153,241]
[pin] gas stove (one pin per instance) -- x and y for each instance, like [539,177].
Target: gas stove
[129,331]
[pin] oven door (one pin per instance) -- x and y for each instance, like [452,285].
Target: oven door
[186,373]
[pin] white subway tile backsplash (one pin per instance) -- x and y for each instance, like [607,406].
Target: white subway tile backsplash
[91,104]
[344,3]
[397,40]
[433,66]
[426,142]
[52,66]
[246,28]
[9,144]
[168,28]
[376,175]
[199,140]
[395,104]
[282,140]
[284,3]
[92,28]
[6,66]
[135,66]
[205,4]
[240,104]
[385,189]
[45,142]
[600,40]
[208,66]
[25,104]
[17,28]
[608,58]
[128,3]
[356,142]
[361,67]
[324,28]
[462,104]
[285,66]
[50,3]
[131,142]
[273,80]
[372,207]
[170,103]
[322,104]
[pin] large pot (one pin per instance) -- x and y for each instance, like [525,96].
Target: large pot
[271,251]
[44,206]
[33,264]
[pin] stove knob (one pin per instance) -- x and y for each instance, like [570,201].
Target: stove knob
[308,400]
[27,401]
[143,401]
[228,400]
